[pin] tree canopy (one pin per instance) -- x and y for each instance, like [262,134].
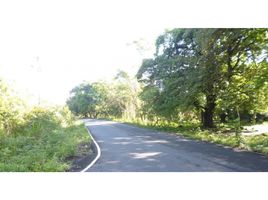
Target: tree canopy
[116,99]
[205,74]
[198,66]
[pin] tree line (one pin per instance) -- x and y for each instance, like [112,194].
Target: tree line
[204,75]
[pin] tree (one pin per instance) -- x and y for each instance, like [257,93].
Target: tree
[116,99]
[239,53]
[101,96]
[197,65]
[247,92]
[82,100]
[123,96]
[12,109]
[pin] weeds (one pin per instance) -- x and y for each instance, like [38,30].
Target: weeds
[41,143]
[225,134]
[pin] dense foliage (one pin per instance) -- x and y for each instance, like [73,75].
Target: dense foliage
[101,99]
[198,79]
[36,138]
[216,78]
[208,70]
[197,75]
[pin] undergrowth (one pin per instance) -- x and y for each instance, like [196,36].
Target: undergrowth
[224,134]
[42,142]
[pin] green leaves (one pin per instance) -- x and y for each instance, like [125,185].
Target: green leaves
[12,109]
[36,139]
[82,99]
[116,99]
[47,153]
[204,69]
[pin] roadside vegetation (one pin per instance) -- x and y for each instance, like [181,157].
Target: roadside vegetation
[224,134]
[206,84]
[37,139]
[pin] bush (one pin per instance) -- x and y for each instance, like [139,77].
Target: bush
[38,138]
[42,142]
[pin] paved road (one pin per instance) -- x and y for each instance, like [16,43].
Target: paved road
[126,148]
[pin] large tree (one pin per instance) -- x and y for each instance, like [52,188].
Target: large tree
[123,96]
[115,99]
[83,100]
[197,65]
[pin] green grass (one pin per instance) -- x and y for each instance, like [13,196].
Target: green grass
[41,147]
[224,134]
[258,143]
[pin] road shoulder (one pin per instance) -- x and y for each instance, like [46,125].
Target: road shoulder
[86,155]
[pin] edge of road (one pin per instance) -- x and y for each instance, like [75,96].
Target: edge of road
[96,150]
[236,149]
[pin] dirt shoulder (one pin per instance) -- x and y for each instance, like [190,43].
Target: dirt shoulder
[85,155]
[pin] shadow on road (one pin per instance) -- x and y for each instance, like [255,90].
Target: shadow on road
[129,148]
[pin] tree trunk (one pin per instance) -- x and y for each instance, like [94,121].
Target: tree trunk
[254,118]
[223,117]
[208,118]
[238,114]
[96,115]
[209,111]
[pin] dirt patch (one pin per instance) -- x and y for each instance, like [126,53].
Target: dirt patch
[255,129]
[85,154]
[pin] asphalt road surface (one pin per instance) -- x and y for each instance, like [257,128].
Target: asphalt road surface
[126,148]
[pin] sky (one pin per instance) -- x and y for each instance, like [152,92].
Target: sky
[49,47]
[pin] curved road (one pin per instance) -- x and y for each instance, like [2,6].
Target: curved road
[126,148]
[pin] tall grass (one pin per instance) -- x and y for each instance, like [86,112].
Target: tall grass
[41,141]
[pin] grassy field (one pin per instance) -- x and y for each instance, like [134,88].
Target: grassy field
[225,135]
[43,143]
